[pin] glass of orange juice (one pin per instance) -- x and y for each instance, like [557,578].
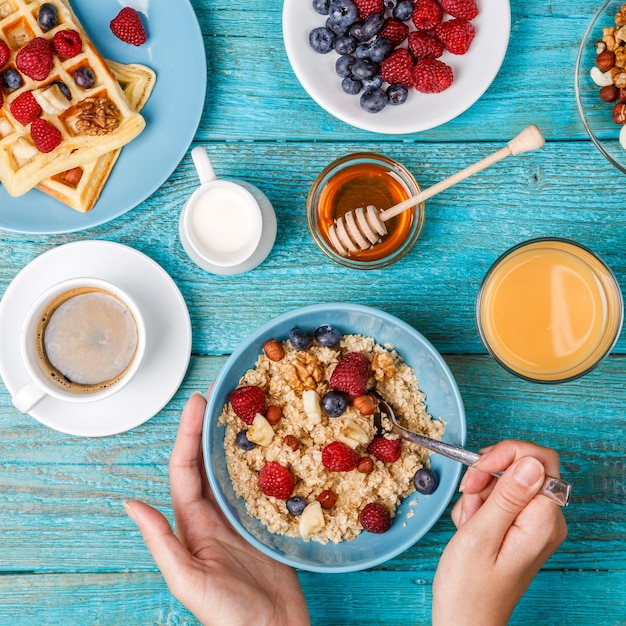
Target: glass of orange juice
[549,310]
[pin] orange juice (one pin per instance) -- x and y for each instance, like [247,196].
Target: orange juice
[549,310]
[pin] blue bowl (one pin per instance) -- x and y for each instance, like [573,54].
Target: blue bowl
[412,521]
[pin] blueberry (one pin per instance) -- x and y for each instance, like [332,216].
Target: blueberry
[295,505]
[84,77]
[372,25]
[403,10]
[380,49]
[364,68]
[343,12]
[321,6]
[63,87]
[337,28]
[343,65]
[373,100]
[425,481]
[397,94]
[334,403]
[243,442]
[390,4]
[345,44]
[372,83]
[327,336]
[47,17]
[351,86]
[299,339]
[12,80]
[356,31]
[362,51]
[321,40]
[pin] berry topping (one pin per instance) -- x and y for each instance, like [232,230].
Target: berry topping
[5,53]
[35,59]
[466,9]
[339,457]
[275,480]
[12,80]
[426,14]
[425,481]
[296,505]
[394,30]
[456,35]
[45,135]
[375,518]
[128,27]
[327,336]
[84,77]
[247,402]
[47,16]
[350,375]
[424,46]
[373,100]
[432,76]
[299,339]
[25,108]
[385,450]
[334,403]
[322,40]
[403,10]
[321,6]
[67,43]
[397,94]
[398,68]
[243,442]
[342,13]
[367,7]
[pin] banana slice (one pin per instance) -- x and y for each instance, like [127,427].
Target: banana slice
[311,405]
[260,431]
[352,434]
[311,520]
[52,100]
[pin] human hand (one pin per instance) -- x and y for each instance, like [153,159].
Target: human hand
[210,568]
[505,533]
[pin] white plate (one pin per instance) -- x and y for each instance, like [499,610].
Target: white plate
[473,71]
[167,326]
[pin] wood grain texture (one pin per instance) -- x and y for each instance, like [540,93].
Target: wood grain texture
[68,553]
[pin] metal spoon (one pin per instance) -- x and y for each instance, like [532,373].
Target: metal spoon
[557,490]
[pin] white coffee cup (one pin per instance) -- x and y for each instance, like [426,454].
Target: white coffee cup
[226,226]
[43,374]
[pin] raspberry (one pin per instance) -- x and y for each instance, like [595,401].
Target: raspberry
[350,375]
[67,43]
[426,14]
[424,46]
[466,9]
[398,68]
[367,7]
[5,53]
[432,76]
[45,135]
[456,35]
[394,30]
[339,457]
[375,518]
[275,480]
[385,450]
[247,402]
[35,58]
[25,108]
[128,27]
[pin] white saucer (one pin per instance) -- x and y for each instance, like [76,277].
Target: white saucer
[168,329]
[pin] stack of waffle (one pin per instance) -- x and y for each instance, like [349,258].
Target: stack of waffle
[76,170]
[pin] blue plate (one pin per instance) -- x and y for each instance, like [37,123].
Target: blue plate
[175,51]
[417,513]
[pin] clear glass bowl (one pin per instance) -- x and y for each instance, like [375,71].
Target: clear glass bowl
[597,115]
[357,180]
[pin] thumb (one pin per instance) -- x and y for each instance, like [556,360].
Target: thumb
[512,492]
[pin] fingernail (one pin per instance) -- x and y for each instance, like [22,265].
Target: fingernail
[528,471]
[462,518]
[197,392]
[463,481]
[129,511]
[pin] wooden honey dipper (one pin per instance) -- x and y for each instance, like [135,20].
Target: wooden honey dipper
[364,227]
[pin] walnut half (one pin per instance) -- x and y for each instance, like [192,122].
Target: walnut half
[97,116]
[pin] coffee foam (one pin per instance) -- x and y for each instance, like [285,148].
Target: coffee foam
[86,339]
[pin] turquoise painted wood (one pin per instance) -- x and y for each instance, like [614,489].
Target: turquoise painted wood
[69,555]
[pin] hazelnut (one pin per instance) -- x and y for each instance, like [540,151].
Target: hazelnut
[366,404]
[273,414]
[73,176]
[621,95]
[273,350]
[365,465]
[619,113]
[327,499]
[605,60]
[291,442]
[609,93]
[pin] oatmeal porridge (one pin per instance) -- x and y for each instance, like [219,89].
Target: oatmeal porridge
[305,446]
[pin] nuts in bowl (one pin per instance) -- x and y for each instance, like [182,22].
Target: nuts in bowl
[294,451]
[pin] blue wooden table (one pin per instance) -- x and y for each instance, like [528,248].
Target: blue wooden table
[69,554]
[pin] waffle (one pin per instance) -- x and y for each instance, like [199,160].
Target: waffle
[22,166]
[80,187]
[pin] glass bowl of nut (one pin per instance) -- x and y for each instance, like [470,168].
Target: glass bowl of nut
[600,82]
